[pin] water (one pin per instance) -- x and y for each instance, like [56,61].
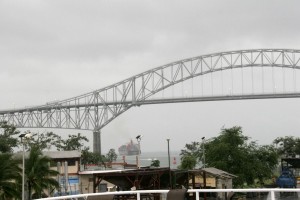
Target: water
[147,157]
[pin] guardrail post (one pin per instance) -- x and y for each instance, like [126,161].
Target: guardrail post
[138,196]
[272,195]
[197,195]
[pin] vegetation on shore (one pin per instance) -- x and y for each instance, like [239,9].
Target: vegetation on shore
[235,153]
[231,151]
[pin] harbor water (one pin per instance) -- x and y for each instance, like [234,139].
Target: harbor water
[146,159]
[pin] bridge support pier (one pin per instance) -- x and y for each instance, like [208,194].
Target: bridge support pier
[97,142]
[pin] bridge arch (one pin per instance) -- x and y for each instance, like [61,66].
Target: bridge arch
[96,109]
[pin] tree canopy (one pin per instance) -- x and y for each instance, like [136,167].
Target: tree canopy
[10,177]
[155,163]
[288,146]
[7,141]
[74,142]
[191,155]
[111,155]
[232,152]
[38,173]
[44,141]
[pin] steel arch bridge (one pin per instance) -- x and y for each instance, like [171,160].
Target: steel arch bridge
[96,109]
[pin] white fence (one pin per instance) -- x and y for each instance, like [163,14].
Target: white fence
[272,193]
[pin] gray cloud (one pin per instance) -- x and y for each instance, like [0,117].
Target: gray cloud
[58,49]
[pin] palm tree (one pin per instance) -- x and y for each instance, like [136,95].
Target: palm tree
[38,173]
[9,177]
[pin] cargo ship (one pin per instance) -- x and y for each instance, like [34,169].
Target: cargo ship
[129,149]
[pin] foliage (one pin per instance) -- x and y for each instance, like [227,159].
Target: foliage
[191,155]
[74,142]
[7,141]
[88,157]
[287,146]
[10,177]
[155,163]
[44,141]
[188,162]
[232,152]
[266,161]
[111,155]
[38,173]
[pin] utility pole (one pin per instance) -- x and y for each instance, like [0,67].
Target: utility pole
[170,179]
[139,138]
[24,136]
[203,151]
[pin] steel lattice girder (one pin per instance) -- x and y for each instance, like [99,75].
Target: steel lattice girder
[94,110]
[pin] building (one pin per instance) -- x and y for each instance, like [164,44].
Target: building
[211,178]
[67,163]
[75,179]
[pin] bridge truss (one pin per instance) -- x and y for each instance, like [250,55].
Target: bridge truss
[96,109]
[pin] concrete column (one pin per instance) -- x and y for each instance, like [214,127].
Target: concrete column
[66,172]
[97,142]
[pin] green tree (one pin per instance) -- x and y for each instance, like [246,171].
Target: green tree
[7,141]
[9,177]
[88,157]
[74,142]
[188,162]
[38,173]
[288,146]
[231,151]
[191,155]
[44,141]
[266,161]
[111,155]
[155,163]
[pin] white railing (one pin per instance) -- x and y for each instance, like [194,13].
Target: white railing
[271,196]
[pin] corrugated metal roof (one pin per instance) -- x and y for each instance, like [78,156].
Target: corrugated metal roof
[62,154]
[218,172]
[214,172]
[106,171]
[53,154]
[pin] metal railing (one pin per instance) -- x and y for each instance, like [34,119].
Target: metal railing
[272,194]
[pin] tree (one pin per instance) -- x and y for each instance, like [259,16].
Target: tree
[38,173]
[232,152]
[74,142]
[191,155]
[111,155]
[44,141]
[266,161]
[7,141]
[188,162]
[88,157]
[9,177]
[287,146]
[155,163]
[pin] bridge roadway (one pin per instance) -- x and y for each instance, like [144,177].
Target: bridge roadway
[156,101]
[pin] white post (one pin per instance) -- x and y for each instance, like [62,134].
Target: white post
[23,172]
[25,136]
[139,154]
[66,177]
[138,138]
[203,143]
[272,195]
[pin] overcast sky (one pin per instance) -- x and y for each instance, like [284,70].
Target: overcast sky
[52,50]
